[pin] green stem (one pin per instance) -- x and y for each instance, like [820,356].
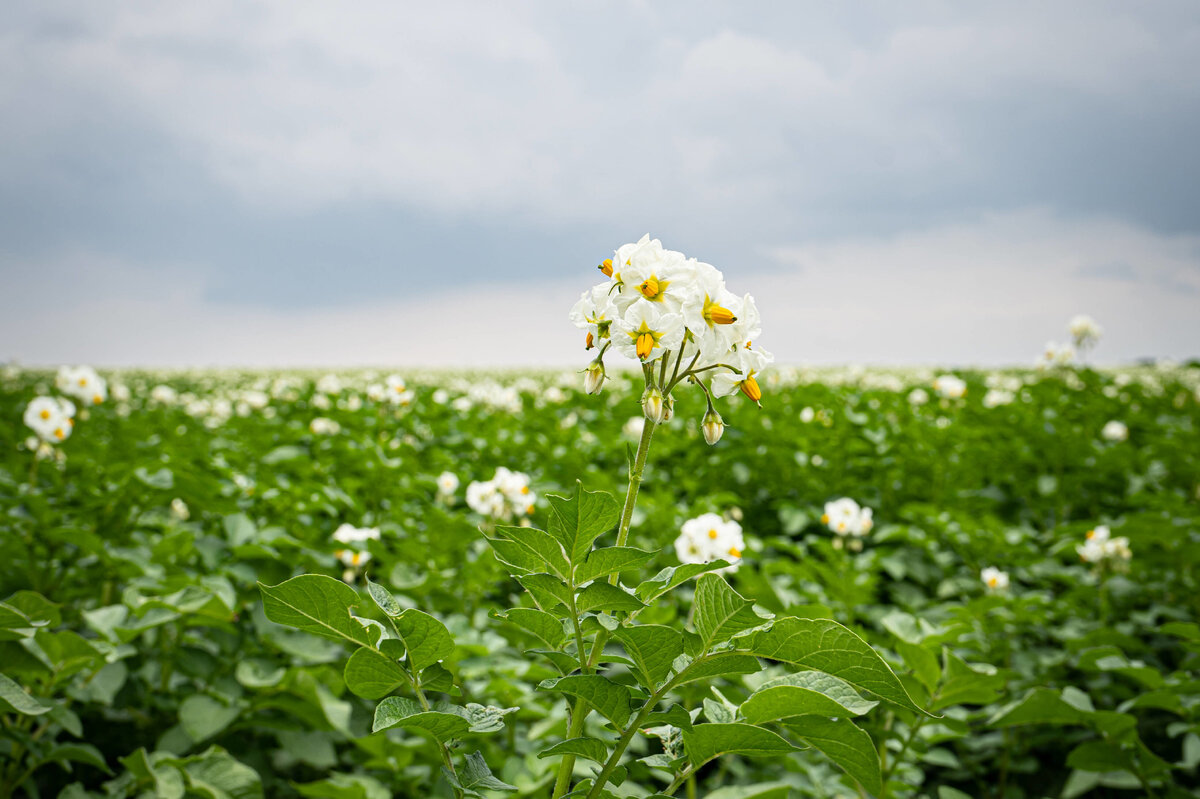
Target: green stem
[635,481]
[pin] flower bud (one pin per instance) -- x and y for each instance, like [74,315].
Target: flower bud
[713,426]
[654,406]
[669,410]
[593,378]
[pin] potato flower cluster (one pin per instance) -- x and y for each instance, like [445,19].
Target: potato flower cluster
[355,555]
[1099,546]
[505,496]
[674,316]
[710,537]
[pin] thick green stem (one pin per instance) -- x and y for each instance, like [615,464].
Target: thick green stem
[635,481]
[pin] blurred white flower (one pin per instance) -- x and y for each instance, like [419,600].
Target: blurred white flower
[1099,546]
[950,387]
[82,383]
[846,518]
[322,426]
[1084,331]
[447,483]
[1115,431]
[51,418]
[994,579]
[179,509]
[709,537]
[918,397]
[506,495]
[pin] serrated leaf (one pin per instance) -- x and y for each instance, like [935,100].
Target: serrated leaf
[316,604]
[589,748]
[705,742]
[541,545]
[722,664]
[578,520]
[546,589]
[653,648]
[720,612]
[372,675]
[399,711]
[605,596]
[425,638]
[802,694]
[843,742]
[673,576]
[827,646]
[609,699]
[611,560]
[475,776]
[544,626]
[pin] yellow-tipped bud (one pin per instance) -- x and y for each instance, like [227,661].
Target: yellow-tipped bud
[589,342]
[653,406]
[593,378]
[606,267]
[645,345]
[750,389]
[649,288]
[719,315]
[713,427]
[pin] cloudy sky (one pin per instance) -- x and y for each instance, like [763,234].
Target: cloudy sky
[283,183]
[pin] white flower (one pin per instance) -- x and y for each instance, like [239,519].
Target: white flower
[506,495]
[164,395]
[994,579]
[645,331]
[1099,545]
[179,509]
[1055,355]
[633,427]
[594,314]
[1085,331]
[329,384]
[349,534]
[709,537]
[82,383]
[918,396]
[50,418]
[749,362]
[807,415]
[949,387]
[845,517]
[1115,431]
[322,426]
[995,397]
[447,483]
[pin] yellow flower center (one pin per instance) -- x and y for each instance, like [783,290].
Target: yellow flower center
[59,434]
[717,314]
[735,552]
[524,489]
[45,414]
[712,534]
[993,581]
[645,345]
[650,288]
[606,267]
[97,399]
[1091,534]
[750,388]
[824,518]
[83,381]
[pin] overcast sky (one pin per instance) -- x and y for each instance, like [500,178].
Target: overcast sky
[387,183]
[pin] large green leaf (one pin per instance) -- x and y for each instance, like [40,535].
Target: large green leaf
[844,743]
[605,596]
[827,646]
[541,545]
[399,711]
[802,694]
[426,639]
[722,664]
[578,520]
[653,647]
[13,697]
[610,560]
[372,675]
[720,612]
[609,699]
[589,748]
[673,576]
[967,685]
[316,604]
[707,741]
[202,717]
[1040,706]
[546,627]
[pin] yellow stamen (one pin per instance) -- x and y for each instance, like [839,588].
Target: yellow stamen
[735,552]
[719,315]
[750,389]
[1091,534]
[589,343]
[71,422]
[59,434]
[645,345]
[712,534]
[83,381]
[824,518]
[649,288]
[45,414]
[841,527]
[97,399]
[528,510]
[524,489]
[606,267]
[993,582]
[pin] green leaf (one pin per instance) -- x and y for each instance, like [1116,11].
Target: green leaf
[13,697]
[609,699]
[544,626]
[399,711]
[1100,756]
[77,753]
[723,664]
[602,595]
[475,776]
[924,664]
[653,648]
[1040,706]
[541,545]
[673,576]
[372,675]
[384,600]
[345,786]
[967,685]
[546,589]
[218,775]
[202,717]
[611,560]
[517,558]
[578,520]
[426,639]
[802,694]
[316,604]
[720,612]
[843,742]
[589,748]
[765,790]
[827,646]
[705,742]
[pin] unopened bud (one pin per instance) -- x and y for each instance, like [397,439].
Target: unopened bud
[593,378]
[654,406]
[713,427]
[669,412]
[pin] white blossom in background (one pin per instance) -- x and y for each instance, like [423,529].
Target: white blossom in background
[1115,431]
[321,402]
[1085,332]
[179,510]
[918,397]
[710,537]
[505,496]
[323,426]
[994,579]
[50,418]
[164,395]
[329,384]
[996,397]
[82,383]
[376,392]
[950,387]
[846,518]
[1100,546]
[633,427]
[1054,355]
[447,484]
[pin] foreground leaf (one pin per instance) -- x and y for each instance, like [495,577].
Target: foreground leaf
[316,604]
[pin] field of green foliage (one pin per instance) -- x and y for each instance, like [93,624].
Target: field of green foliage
[288,584]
